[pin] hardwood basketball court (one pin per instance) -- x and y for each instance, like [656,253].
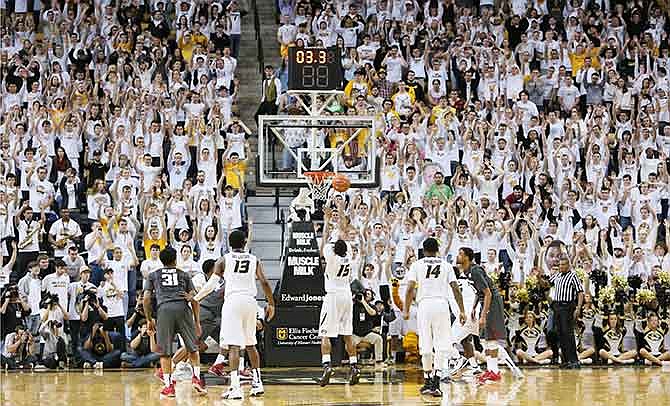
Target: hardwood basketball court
[588,386]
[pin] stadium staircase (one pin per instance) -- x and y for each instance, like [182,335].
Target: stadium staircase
[259,47]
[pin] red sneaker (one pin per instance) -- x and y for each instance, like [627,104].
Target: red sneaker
[168,391]
[199,385]
[159,374]
[218,370]
[484,377]
[489,376]
[246,375]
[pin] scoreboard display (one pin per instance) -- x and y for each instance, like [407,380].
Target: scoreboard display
[314,69]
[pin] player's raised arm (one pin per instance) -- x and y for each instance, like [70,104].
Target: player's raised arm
[213,281]
[267,290]
[327,213]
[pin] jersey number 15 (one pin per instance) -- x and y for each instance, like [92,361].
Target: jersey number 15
[343,271]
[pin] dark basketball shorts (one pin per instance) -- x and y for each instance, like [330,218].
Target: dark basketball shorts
[173,318]
[495,322]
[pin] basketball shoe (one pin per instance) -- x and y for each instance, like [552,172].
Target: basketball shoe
[233,394]
[169,391]
[218,370]
[257,389]
[199,385]
[325,377]
[489,376]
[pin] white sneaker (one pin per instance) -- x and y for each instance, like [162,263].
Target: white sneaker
[472,371]
[545,361]
[586,361]
[458,365]
[99,365]
[257,389]
[87,365]
[40,366]
[233,394]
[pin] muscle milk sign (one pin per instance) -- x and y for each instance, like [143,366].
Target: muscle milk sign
[302,278]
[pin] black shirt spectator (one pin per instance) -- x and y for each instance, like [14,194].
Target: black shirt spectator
[219,38]
[96,168]
[13,312]
[363,321]
[92,312]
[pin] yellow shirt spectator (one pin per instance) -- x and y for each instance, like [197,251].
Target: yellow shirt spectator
[577,58]
[186,46]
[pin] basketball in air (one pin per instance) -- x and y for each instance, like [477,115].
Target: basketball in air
[341,182]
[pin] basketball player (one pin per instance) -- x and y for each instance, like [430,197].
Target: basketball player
[467,364]
[336,317]
[240,270]
[433,274]
[174,290]
[491,315]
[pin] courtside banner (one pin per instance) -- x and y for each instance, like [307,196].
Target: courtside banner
[301,283]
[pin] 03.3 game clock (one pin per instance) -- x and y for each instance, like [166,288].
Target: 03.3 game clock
[314,69]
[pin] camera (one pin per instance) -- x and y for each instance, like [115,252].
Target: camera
[359,297]
[48,299]
[89,295]
[12,292]
[56,323]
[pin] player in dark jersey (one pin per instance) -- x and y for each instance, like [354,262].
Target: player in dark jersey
[174,291]
[491,316]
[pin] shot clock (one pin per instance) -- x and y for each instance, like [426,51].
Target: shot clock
[314,69]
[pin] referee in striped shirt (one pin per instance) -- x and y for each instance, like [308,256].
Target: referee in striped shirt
[567,298]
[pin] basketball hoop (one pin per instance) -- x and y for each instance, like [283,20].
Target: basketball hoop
[319,183]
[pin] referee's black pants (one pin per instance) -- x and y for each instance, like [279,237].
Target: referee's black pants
[564,323]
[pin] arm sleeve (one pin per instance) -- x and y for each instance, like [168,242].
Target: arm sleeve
[209,287]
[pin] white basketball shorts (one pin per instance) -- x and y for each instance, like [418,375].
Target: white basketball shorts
[434,322]
[336,317]
[238,321]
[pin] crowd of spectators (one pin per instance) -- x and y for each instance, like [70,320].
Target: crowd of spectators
[503,126]
[119,135]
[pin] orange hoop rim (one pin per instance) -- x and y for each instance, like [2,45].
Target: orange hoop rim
[317,177]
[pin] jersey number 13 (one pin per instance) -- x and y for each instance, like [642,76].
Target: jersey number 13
[241,266]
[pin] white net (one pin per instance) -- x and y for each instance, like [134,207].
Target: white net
[319,184]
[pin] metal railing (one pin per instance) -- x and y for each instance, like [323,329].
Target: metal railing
[259,37]
[282,219]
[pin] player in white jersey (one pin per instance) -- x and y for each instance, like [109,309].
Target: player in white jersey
[240,270]
[466,365]
[433,276]
[337,310]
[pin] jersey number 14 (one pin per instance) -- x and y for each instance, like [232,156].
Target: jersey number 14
[433,270]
